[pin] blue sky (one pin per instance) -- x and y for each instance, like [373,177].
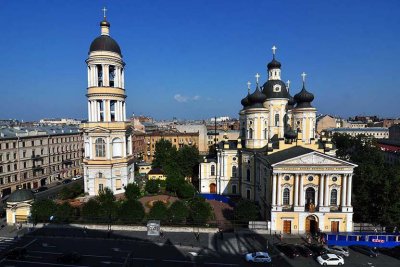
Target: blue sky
[191,59]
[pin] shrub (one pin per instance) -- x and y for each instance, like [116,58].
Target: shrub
[246,211]
[42,210]
[131,211]
[132,192]
[178,212]
[199,210]
[186,190]
[152,187]
[64,213]
[91,211]
[158,211]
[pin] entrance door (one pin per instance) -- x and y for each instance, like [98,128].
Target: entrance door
[311,225]
[213,188]
[287,227]
[334,227]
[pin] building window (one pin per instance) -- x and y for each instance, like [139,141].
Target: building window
[234,169]
[287,178]
[212,170]
[276,119]
[250,133]
[234,190]
[248,175]
[265,133]
[100,175]
[100,147]
[1,169]
[286,196]
[333,197]
[334,179]
[117,147]
[310,178]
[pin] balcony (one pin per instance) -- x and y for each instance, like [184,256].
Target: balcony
[37,168]
[36,157]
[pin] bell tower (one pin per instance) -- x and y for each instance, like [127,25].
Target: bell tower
[108,158]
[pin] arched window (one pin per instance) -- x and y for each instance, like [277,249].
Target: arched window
[100,147]
[248,175]
[234,169]
[99,75]
[286,196]
[276,119]
[310,196]
[111,75]
[265,133]
[333,197]
[250,133]
[212,170]
[116,147]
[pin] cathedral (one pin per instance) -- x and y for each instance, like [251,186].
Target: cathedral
[108,160]
[279,163]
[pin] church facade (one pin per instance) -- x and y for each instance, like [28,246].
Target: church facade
[108,160]
[278,162]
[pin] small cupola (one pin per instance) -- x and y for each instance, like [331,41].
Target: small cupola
[304,98]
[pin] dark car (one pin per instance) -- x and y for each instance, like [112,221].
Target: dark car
[393,252]
[40,189]
[70,257]
[289,250]
[365,250]
[304,251]
[317,250]
[16,253]
[66,181]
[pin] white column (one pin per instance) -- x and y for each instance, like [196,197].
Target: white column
[321,190]
[104,110]
[124,148]
[273,189]
[123,78]
[98,110]
[88,105]
[301,195]
[95,76]
[344,189]
[119,111]
[349,188]
[279,196]
[326,191]
[304,129]
[106,81]
[90,148]
[108,148]
[124,111]
[281,123]
[116,77]
[88,76]
[93,112]
[296,190]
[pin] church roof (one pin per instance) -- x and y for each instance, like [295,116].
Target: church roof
[287,154]
[105,43]
[20,195]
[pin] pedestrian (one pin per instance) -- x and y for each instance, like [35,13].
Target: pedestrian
[281,237]
[197,235]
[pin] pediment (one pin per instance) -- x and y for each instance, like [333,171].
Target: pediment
[98,129]
[315,159]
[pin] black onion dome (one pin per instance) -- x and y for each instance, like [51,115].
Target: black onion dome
[304,98]
[245,101]
[291,101]
[105,23]
[257,96]
[290,134]
[274,64]
[268,89]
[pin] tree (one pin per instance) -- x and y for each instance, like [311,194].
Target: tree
[69,192]
[165,155]
[188,158]
[199,210]
[178,212]
[186,190]
[64,213]
[246,211]
[152,187]
[42,210]
[132,192]
[131,211]
[108,208]
[91,210]
[158,211]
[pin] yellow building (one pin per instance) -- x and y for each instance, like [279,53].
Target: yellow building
[108,158]
[277,162]
[156,174]
[19,205]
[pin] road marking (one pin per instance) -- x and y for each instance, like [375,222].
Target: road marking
[221,264]
[30,243]
[143,259]
[45,263]
[59,253]
[111,262]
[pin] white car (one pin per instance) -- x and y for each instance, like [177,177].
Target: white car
[77,177]
[341,251]
[330,259]
[257,257]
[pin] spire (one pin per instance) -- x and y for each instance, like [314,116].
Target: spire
[248,87]
[257,77]
[304,78]
[104,24]
[274,51]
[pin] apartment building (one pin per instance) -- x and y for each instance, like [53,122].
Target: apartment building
[31,157]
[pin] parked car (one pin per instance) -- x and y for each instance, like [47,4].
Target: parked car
[16,253]
[40,189]
[341,251]
[66,181]
[365,250]
[393,252]
[318,250]
[304,251]
[258,257]
[77,177]
[69,257]
[330,259]
[289,250]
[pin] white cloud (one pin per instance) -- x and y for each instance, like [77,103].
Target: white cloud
[183,99]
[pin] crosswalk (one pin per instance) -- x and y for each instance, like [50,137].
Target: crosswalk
[6,242]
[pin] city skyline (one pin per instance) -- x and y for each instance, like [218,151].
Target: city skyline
[192,60]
